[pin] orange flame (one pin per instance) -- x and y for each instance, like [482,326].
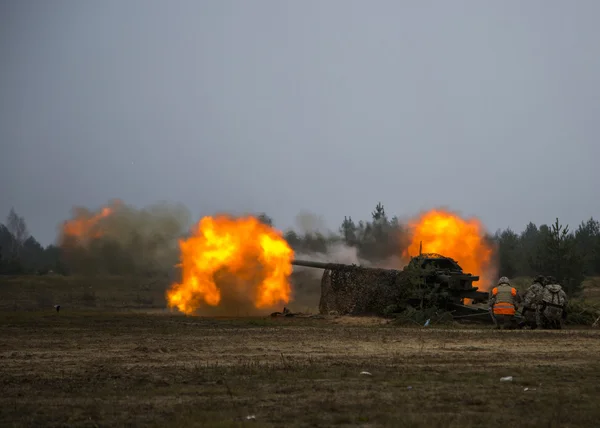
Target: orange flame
[450,235]
[86,225]
[256,254]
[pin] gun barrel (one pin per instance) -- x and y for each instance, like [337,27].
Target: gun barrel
[339,266]
[318,265]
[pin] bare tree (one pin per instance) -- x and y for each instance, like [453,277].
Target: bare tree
[18,228]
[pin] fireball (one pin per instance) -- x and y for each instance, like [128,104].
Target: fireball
[448,234]
[240,257]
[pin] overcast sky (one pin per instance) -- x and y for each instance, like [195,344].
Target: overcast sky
[489,107]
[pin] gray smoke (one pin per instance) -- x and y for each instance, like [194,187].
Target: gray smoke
[126,241]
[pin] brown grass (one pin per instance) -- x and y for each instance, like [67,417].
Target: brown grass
[96,368]
[591,290]
[114,356]
[115,292]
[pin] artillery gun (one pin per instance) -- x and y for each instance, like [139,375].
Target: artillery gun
[428,280]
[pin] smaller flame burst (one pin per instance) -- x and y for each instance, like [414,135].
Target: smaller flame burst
[450,235]
[86,226]
[255,254]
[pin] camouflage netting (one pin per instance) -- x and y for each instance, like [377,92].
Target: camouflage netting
[355,290]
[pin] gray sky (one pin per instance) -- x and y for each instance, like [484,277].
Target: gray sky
[489,107]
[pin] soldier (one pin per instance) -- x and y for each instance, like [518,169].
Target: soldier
[531,300]
[552,308]
[503,304]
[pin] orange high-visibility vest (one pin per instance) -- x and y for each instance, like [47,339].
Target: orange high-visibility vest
[505,298]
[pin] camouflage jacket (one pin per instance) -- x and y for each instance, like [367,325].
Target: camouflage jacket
[533,295]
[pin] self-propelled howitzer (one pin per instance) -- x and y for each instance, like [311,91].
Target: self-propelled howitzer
[427,280]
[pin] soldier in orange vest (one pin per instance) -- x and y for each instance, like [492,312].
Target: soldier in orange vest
[503,303]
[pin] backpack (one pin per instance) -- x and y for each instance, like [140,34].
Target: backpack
[554,295]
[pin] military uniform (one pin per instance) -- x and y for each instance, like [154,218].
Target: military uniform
[503,304]
[531,300]
[552,308]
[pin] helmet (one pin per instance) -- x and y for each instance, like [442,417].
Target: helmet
[503,280]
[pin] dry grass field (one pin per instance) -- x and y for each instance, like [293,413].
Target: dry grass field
[113,363]
[98,368]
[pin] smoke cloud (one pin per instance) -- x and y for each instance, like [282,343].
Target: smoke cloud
[310,223]
[121,239]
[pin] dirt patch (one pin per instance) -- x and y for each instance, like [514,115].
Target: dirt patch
[348,320]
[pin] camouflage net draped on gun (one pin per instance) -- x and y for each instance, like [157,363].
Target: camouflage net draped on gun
[355,291]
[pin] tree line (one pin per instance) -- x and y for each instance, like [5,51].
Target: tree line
[21,253]
[552,249]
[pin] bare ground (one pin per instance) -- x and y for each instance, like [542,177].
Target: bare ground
[99,368]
